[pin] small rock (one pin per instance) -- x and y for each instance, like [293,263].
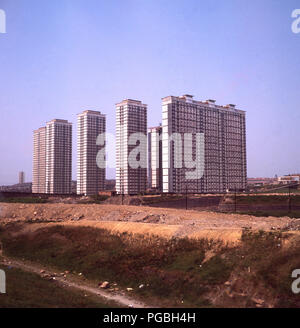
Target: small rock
[129,289]
[258,301]
[47,277]
[141,286]
[104,285]
[227,283]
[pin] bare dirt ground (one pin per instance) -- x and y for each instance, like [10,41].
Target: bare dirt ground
[163,222]
[141,219]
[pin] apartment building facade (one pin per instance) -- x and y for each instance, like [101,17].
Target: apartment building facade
[58,157]
[131,118]
[90,177]
[155,158]
[39,161]
[221,154]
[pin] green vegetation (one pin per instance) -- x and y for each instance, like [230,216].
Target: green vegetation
[272,265]
[25,200]
[266,205]
[161,198]
[275,213]
[27,290]
[266,199]
[170,267]
[95,199]
[171,271]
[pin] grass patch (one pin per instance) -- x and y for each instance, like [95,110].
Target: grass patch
[267,199]
[24,200]
[161,198]
[95,199]
[170,270]
[29,290]
[127,260]
[279,214]
[271,265]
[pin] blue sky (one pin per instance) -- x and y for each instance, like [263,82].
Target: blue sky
[60,57]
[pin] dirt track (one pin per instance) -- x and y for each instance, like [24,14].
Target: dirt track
[141,219]
[70,282]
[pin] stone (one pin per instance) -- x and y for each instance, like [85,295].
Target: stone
[258,301]
[104,285]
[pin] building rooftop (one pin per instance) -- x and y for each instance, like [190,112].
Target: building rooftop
[40,129]
[209,103]
[93,112]
[56,120]
[130,101]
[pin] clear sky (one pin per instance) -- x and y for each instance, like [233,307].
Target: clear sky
[60,57]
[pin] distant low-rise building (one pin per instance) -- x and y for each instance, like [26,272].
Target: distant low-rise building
[289,179]
[24,188]
[261,181]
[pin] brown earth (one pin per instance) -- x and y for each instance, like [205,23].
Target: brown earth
[144,220]
[250,263]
